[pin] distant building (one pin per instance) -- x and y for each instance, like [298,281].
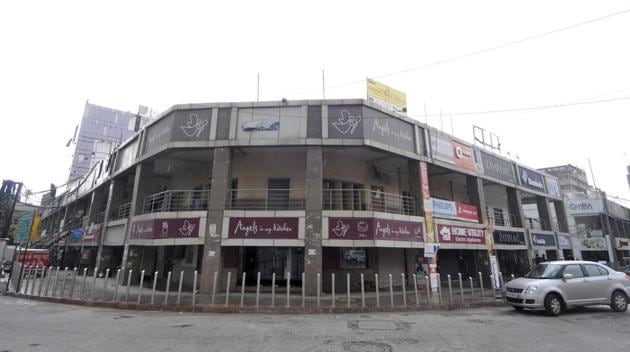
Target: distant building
[101,130]
[571,178]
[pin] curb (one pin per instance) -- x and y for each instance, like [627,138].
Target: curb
[206,308]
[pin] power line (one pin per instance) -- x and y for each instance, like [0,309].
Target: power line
[478,52]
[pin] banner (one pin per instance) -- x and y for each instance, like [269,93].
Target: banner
[530,178]
[263,228]
[165,228]
[580,203]
[386,96]
[539,239]
[460,234]
[553,185]
[454,210]
[374,229]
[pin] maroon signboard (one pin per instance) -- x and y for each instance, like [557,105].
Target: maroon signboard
[461,234]
[263,228]
[92,233]
[165,228]
[374,229]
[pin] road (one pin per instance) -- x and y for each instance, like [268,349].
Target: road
[38,326]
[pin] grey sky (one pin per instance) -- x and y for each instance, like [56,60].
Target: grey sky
[55,56]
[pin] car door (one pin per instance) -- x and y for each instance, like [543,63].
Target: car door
[574,289]
[597,283]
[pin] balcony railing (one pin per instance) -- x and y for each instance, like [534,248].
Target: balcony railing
[508,220]
[265,199]
[176,201]
[99,218]
[122,212]
[537,224]
[365,199]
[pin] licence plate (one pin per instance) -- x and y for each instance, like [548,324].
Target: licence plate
[513,295]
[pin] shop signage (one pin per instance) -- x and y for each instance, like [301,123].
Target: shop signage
[454,210]
[33,258]
[345,121]
[463,156]
[263,228]
[622,243]
[580,203]
[496,167]
[530,178]
[441,147]
[593,244]
[158,134]
[540,239]
[553,185]
[565,241]
[374,229]
[92,233]
[460,234]
[509,238]
[156,229]
[386,96]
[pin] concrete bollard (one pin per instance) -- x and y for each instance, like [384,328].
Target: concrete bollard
[55,283]
[22,279]
[348,290]
[257,289]
[243,290]
[391,291]
[194,291]
[461,288]
[472,288]
[155,277]
[273,289]
[492,293]
[333,290]
[303,290]
[28,271]
[168,287]
[116,284]
[319,288]
[63,284]
[450,289]
[481,285]
[48,275]
[139,300]
[415,288]
[74,281]
[227,288]
[179,287]
[85,270]
[94,283]
[214,287]
[404,289]
[378,295]
[428,288]
[32,281]
[128,285]
[362,291]
[105,284]
[288,290]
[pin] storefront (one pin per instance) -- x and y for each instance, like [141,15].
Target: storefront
[544,244]
[566,247]
[462,249]
[593,249]
[511,250]
[623,250]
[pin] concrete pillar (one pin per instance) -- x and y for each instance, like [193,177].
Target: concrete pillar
[141,188]
[415,187]
[313,222]
[477,196]
[221,180]
[108,209]
[563,224]
[544,213]
[515,207]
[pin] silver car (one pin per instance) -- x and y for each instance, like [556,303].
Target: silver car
[558,285]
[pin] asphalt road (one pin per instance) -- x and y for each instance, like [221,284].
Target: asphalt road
[38,326]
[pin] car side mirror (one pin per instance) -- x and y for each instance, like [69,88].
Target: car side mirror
[567,276]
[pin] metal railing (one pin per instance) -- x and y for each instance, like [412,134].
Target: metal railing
[333,290]
[99,218]
[365,199]
[178,200]
[508,220]
[265,199]
[537,224]
[122,212]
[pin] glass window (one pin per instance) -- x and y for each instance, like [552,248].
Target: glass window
[545,271]
[602,271]
[574,269]
[591,270]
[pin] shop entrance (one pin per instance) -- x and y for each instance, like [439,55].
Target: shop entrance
[513,262]
[270,260]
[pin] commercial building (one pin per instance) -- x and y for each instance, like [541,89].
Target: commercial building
[309,186]
[102,129]
[571,178]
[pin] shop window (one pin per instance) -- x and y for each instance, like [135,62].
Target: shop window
[233,191]
[353,258]
[329,195]
[189,254]
[352,197]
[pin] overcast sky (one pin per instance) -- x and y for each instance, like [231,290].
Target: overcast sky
[56,55]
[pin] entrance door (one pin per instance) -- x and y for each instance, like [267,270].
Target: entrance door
[250,264]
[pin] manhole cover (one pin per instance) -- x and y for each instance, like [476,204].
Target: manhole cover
[366,346]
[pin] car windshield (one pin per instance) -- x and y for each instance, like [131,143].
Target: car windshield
[545,271]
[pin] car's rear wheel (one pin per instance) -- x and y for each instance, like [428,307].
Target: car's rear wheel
[553,304]
[619,302]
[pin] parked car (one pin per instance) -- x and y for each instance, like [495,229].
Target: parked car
[559,285]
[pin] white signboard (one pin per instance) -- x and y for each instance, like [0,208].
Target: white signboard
[553,186]
[581,204]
